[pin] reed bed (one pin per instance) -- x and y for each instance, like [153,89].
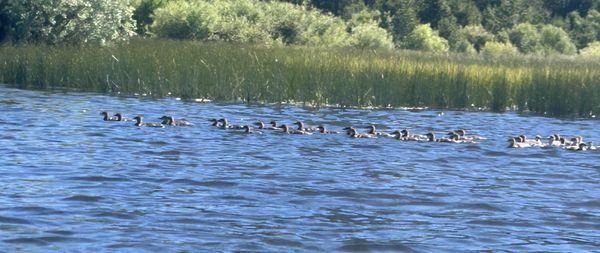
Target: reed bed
[313,76]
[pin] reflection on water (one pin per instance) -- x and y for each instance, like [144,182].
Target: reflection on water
[71,182]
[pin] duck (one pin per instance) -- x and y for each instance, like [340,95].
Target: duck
[301,127]
[107,118]
[553,141]
[248,130]
[591,146]
[215,122]
[169,120]
[354,134]
[406,136]
[225,125]
[323,130]
[120,117]
[462,135]
[580,147]
[518,142]
[286,129]
[373,131]
[139,122]
[274,124]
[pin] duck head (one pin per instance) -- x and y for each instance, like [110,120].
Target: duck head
[461,132]
[397,134]
[260,124]
[321,129]
[215,122]
[404,132]
[224,122]
[300,125]
[349,130]
[105,114]
[522,138]
[372,129]
[430,136]
[285,128]
[246,128]
[138,120]
[538,138]
[119,116]
[273,123]
[165,120]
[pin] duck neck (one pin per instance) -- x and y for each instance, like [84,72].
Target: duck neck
[138,121]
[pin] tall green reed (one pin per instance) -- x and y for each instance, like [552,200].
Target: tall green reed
[313,76]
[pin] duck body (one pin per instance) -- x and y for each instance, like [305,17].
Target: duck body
[139,123]
[517,142]
[321,129]
[248,130]
[225,125]
[373,131]
[354,134]
[261,125]
[302,127]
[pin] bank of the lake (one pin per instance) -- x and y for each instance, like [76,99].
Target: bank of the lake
[316,76]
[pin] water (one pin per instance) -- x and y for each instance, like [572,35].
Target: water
[71,182]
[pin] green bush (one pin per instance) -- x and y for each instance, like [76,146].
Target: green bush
[493,48]
[265,23]
[476,35]
[526,37]
[592,50]
[426,39]
[556,40]
[73,21]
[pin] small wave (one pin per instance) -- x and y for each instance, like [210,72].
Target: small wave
[83,198]
[99,179]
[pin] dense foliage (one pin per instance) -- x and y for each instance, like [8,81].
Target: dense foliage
[541,27]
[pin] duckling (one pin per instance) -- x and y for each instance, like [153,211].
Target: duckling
[321,129]
[139,122]
[121,118]
[107,118]
[406,136]
[225,125]
[553,141]
[286,129]
[215,122]
[517,142]
[169,120]
[373,131]
[248,130]
[462,135]
[355,134]
[431,138]
[581,147]
[301,127]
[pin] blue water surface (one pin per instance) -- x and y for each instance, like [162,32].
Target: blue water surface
[71,182]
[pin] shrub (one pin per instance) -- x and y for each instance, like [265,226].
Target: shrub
[426,39]
[592,50]
[493,48]
[476,35]
[370,36]
[556,40]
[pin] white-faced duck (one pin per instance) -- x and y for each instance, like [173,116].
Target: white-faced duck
[288,130]
[554,141]
[462,135]
[139,121]
[225,124]
[323,130]
[170,121]
[214,122]
[373,131]
[107,118]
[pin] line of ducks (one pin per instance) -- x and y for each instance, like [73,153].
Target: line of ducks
[457,136]
[576,143]
[139,120]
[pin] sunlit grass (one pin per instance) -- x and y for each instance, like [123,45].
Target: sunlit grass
[229,72]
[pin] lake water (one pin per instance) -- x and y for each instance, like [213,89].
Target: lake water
[72,182]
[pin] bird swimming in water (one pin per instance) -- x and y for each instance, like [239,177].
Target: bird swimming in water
[261,125]
[248,130]
[323,130]
[354,134]
[225,125]
[286,129]
[301,127]
[120,117]
[170,121]
[139,122]
[107,118]
[215,122]
[373,131]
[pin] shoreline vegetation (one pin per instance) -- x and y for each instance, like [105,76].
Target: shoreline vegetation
[551,86]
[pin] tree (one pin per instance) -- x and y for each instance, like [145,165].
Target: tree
[399,17]
[69,21]
[526,37]
[426,39]
[556,40]
[476,35]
